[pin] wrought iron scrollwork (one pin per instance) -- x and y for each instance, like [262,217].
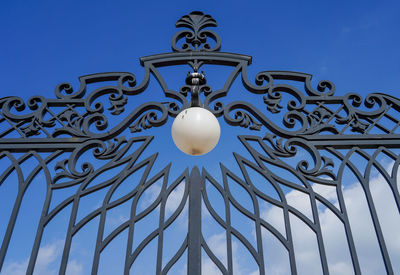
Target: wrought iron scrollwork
[196,38]
[304,138]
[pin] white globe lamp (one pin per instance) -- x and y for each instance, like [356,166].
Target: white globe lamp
[195,131]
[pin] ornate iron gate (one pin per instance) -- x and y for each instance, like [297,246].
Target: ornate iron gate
[59,135]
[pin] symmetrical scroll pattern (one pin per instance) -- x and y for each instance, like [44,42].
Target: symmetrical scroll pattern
[196,38]
[85,142]
[308,113]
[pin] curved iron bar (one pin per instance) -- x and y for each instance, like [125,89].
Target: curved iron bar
[290,112]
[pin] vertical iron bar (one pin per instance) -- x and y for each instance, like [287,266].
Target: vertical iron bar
[347,229]
[17,205]
[318,232]
[68,239]
[365,183]
[378,230]
[228,222]
[99,241]
[10,227]
[342,207]
[194,240]
[42,224]
[161,226]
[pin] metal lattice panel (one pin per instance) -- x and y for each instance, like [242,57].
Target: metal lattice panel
[87,141]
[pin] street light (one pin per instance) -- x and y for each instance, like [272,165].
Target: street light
[195,130]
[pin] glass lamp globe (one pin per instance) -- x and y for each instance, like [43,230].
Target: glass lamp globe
[195,131]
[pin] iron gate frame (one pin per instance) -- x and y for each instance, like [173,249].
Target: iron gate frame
[319,129]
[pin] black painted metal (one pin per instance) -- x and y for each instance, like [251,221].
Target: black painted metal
[194,232]
[316,120]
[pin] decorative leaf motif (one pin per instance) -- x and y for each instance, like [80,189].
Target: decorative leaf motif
[324,170]
[358,125]
[318,122]
[322,113]
[318,126]
[196,37]
[355,123]
[32,129]
[328,162]
[277,144]
[143,122]
[246,121]
[111,149]
[151,119]
[196,21]
[102,151]
[117,103]
[273,104]
[65,172]
[71,116]
[279,148]
[74,127]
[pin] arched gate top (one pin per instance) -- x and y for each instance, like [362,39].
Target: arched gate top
[57,135]
[314,114]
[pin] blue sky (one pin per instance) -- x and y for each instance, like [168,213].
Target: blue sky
[354,44]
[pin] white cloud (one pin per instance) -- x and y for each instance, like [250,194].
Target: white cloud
[153,191]
[15,268]
[45,263]
[339,260]
[150,195]
[217,244]
[115,219]
[335,241]
[74,268]
[175,198]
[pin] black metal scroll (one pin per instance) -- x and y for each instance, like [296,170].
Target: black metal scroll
[60,133]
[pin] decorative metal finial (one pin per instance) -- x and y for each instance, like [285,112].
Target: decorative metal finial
[196,37]
[195,78]
[197,82]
